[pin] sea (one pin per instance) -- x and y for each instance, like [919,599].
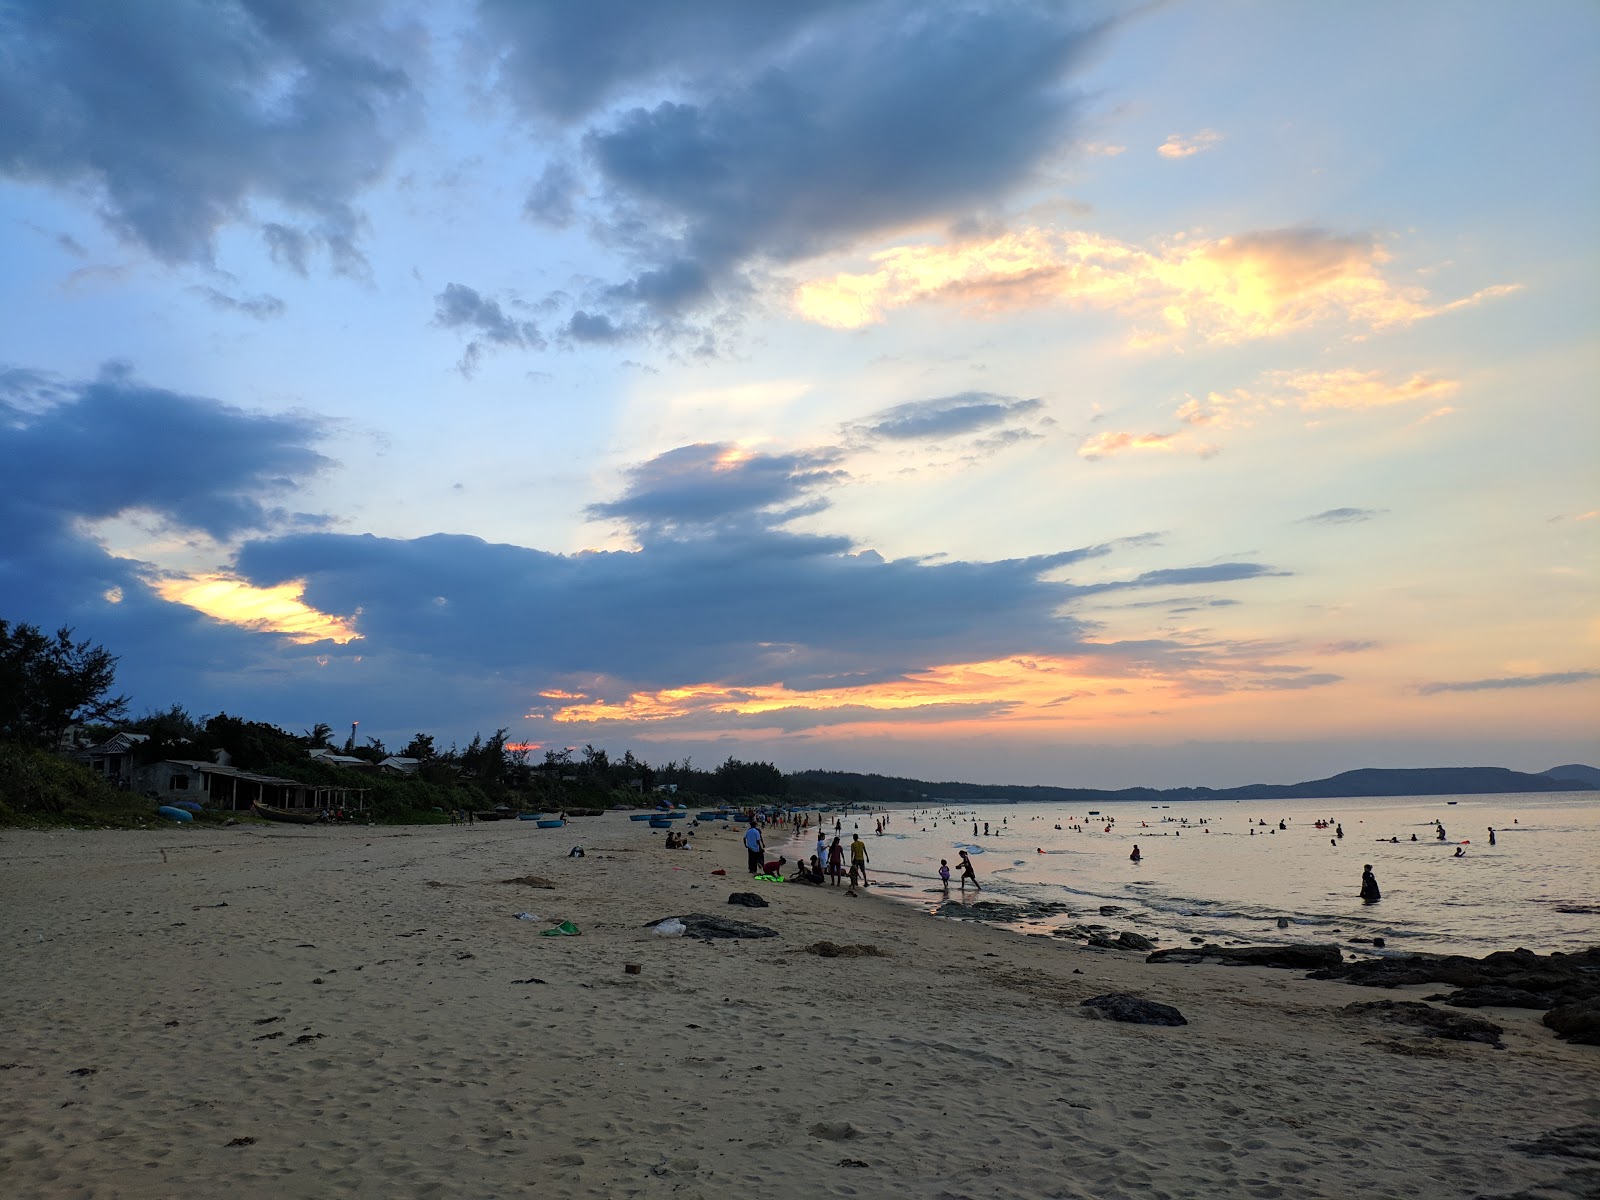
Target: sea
[1227,871]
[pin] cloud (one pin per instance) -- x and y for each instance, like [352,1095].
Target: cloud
[175,127]
[1351,389]
[1251,285]
[1114,442]
[463,308]
[837,123]
[1185,146]
[716,484]
[1103,445]
[1342,516]
[78,454]
[115,446]
[946,416]
[1554,679]
[262,308]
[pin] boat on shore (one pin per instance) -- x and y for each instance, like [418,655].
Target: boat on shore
[288,815]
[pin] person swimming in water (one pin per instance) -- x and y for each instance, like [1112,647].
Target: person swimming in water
[1461,852]
[1135,856]
[1369,886]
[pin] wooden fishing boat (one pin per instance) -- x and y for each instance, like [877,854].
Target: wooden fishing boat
[292,816]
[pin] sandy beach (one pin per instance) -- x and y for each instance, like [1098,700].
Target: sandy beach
[287,1012]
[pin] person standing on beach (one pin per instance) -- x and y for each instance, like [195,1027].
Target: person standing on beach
[1369,886]
[944,874]
[858,861]
[836,861]
[967,872]
[1491,835]
[756,847]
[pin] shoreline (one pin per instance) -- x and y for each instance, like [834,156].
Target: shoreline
[433,1044]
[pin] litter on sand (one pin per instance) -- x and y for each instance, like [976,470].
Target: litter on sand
[565,929]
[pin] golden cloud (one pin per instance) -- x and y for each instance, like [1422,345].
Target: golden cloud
[1228,290]
[1183,146]
[267,610]
[1103,444]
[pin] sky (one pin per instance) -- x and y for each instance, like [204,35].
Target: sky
[1084,394]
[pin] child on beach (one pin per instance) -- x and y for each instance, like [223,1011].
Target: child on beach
[944,874]
[967,872]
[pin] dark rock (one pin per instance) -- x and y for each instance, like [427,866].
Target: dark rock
[1119,1006]
[1111,910]
[1103,941]
[1283,922]
[1456,1027]
[1497,997]
[1198,941]
[1379,943]
[1304,957]
[1135,941]
[1579,1022]
[1566,984]
[699,925]
[748,899]
[995,911]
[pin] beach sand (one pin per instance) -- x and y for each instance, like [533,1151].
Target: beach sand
[362,1004]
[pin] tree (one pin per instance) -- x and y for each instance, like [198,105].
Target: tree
[319,736]
[419,747]
[48,683]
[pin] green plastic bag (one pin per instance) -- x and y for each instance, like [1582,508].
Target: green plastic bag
[565,929]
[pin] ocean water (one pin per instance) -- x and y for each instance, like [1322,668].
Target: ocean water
[1204,874]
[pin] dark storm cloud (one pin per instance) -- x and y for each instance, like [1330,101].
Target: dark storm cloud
[947,416]
[115,445]
[462,308]
[174,118]
[712,483]
[751,610]
[1553,679]
[72,452]
[561,60]
[717,592]
[1342,516]
[777,132]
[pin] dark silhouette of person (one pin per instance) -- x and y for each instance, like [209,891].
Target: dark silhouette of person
[1369,885]
[1491,835]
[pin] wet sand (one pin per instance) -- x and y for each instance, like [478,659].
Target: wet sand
[362,1004]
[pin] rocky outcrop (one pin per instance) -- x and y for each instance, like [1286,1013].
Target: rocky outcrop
[1301,957]
[998,912]
[1578,1022]
[1566,984]
[1434,1022]
[1119,1006]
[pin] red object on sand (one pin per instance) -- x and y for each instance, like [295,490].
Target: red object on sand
[719,871]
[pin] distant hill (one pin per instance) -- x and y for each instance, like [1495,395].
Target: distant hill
[1368,781]
[1576,773]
